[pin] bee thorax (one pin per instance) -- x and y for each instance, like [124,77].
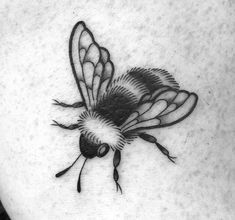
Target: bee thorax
[100,130]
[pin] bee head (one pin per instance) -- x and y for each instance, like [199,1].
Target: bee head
[90,149]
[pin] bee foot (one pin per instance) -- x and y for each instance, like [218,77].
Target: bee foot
[55,123]
[172,159]
[118,187]
[69,127]
[74,105]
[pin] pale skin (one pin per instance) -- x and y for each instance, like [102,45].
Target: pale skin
[192,41]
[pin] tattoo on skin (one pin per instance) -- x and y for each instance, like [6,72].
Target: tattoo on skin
[116,111]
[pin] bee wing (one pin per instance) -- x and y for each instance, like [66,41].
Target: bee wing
[92,68]
[169,107]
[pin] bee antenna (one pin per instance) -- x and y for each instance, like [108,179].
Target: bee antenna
[67,169]
[79,179]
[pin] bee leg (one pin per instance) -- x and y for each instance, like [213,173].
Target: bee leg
[69,127]
[116,162]
[153,140]
[74,105]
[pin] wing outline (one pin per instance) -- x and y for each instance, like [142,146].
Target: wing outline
[91,65]
[173,107]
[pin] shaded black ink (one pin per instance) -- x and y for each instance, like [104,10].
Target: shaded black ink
[116,162]
[68,168]
[79,178]
[153,140]
[118,111]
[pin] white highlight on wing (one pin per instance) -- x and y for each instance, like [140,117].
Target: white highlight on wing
[85,39]
[167,95]
[99,69]
[104,55]
[88,69]
[82,54]
[155,109]
[143,108]
[93,54]
[181,97]
[170,108]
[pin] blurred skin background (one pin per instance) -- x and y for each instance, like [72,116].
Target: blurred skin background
[3,213]
[193,40]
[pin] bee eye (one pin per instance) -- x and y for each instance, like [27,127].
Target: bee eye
[102,150]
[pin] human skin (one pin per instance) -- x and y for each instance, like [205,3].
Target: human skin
[193,40]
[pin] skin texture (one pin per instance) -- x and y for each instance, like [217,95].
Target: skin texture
[193,40]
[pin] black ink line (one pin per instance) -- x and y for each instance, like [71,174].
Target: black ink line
[79,179]
[71,58]
[68,168]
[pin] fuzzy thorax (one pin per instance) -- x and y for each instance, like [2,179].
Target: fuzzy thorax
[100,130]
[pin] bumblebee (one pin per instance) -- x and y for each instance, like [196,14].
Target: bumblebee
[119,110]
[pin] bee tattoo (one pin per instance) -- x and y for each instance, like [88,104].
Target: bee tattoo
[119,110]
